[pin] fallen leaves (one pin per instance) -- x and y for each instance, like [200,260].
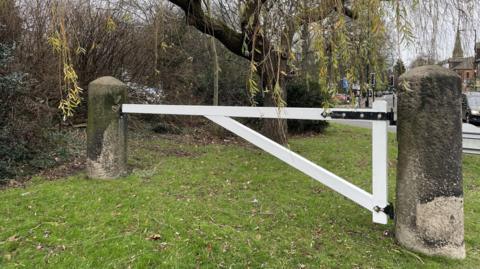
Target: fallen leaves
[154,237]
[13,238]
[163,246]
[157,237]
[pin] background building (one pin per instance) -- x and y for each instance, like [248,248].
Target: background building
[465,67]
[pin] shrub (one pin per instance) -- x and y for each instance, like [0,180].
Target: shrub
[26,142]
[299,94]
[11,83]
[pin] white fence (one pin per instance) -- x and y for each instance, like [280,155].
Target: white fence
[376,201]
[471,139]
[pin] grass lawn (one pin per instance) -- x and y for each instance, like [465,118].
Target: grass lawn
[217,206]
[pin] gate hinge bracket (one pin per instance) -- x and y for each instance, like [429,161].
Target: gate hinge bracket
[388,210]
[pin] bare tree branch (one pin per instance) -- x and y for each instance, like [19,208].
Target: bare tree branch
[196,17]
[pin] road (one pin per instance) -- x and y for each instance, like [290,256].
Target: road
[363,124]
[391,99]
[471,133]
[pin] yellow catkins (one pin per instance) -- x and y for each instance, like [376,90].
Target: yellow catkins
[71,91]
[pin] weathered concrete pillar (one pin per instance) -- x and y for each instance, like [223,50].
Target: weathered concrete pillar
[429,205]
[106,129]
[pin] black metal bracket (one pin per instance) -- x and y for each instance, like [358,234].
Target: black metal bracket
[357,115]
[388,210]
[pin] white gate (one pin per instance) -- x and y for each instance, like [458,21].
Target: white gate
[471,139]
[376,202]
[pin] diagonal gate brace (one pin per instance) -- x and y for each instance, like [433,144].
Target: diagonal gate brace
[302,164]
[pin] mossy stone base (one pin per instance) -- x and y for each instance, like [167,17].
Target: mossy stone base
[106,129]
[429,205]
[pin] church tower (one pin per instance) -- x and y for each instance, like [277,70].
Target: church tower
[457,56]
[458,49]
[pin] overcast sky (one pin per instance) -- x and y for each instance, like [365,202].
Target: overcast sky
[449,20]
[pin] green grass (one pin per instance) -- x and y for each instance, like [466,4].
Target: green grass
[216,206]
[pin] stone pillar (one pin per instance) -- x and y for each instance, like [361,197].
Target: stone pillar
[106,129]
[429,203]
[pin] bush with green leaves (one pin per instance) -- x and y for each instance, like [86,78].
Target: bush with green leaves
[301,94]
[24,142]
[12,148]
[28,141]
[11,82]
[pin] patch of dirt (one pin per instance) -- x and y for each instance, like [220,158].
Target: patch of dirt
[362,162]
[178,153]
[201,138]
[64,170]
[12,184]
[75,141]
[159,150]
[392,163]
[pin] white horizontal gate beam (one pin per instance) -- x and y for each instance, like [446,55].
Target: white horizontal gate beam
[237,111]
[318,173]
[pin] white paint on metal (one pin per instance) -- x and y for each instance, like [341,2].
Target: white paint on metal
[471,136]
[236,111]
[380,163]
[320,174]
[221,115]
[471,139]
[470,129]
[470,151]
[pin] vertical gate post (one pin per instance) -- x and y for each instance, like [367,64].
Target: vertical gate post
[429,203]
[106,129]
[380,162]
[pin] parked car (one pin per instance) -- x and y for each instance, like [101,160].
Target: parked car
[471,108]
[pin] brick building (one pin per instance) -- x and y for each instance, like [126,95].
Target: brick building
[465,67]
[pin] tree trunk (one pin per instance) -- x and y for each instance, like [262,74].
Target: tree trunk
[216,67]
[275,129]
[216,70]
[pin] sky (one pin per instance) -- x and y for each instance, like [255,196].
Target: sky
[449,19]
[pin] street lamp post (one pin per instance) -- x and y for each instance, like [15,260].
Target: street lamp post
[476,62]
